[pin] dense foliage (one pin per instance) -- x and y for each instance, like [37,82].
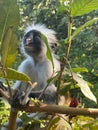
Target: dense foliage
[83,52]
[82,56]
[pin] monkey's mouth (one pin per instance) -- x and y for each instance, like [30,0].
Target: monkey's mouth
[29,48]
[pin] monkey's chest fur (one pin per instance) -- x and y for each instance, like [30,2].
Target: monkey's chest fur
[39,72]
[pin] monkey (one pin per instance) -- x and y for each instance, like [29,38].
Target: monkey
[37,65]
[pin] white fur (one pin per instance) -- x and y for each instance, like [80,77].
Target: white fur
[40,70]
[49,33]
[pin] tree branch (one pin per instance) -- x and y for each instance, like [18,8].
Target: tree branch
[30,107]
[12,119]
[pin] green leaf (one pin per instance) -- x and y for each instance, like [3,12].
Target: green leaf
[53,123]
[78,30]
[79,70]
[9,15]
[50,79]
[9,21]
[64,7]
[8,48]
[12,74]
[81,7]
[83,85]
[64,89]
[59,123]
[49,54]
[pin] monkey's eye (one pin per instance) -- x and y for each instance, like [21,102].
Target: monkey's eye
[54,46]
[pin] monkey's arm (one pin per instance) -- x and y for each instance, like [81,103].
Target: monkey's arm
[47,96]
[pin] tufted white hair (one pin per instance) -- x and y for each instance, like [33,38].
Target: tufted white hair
[49,33]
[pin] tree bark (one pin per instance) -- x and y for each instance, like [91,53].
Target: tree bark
[12,119]
[60,109]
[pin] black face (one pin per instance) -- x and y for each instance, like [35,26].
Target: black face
[32,42]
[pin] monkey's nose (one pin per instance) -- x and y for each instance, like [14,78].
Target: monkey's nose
[28,40]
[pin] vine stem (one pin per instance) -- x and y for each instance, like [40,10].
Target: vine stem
[63,63]
[69,36]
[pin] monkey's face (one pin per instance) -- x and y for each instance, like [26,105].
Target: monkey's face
[33,43]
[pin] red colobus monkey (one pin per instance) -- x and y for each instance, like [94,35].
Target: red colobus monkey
[36,64]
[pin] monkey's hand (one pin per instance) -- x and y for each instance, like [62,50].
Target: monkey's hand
[19,99]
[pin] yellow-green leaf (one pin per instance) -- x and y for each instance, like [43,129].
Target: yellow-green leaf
[88,23]
[9,21]
[83,85]
[9,15]
[81,7]
[13,75]
[79,70]
[8,48]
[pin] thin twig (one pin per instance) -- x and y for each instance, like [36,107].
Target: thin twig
[71,72]
[5,74]
[33,85]
[50,120]
[42,92]
[4,95]
[59,80]
[59,115]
